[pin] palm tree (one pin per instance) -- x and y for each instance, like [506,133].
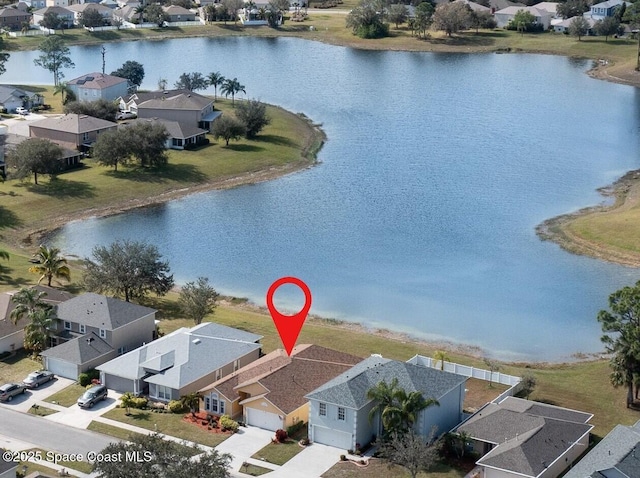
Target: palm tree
[383,395]
[27,300]
[4,254]
[191,401]
[410,405]
[38,331]
[139,10]
[441,356]
[215,80]
[126,401]
[51,265]
[65,92]
[231,87]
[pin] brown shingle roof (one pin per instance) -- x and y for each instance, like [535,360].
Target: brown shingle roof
[96,80]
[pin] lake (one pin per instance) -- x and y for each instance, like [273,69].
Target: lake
[421,216]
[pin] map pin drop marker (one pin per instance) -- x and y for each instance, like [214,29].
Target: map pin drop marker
[289,326]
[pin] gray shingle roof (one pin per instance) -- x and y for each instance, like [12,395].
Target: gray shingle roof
[175,129]
[530,435]
[350,388]
[614,449]
[80,350]
[95,310]
[184,355]
[181,101]
[73,123]
[6,465]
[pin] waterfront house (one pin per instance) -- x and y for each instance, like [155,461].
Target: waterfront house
[71,130]
[543,17]
[176,13]
[63,13]
[79,8]
[13,18]
[181,135]
[606,9]
[96,86]
[184,107]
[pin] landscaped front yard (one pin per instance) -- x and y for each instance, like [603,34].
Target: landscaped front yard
[67,396]
[15,368]
[280,453]
[170,424]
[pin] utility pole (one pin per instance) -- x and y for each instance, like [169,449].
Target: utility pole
[103,51]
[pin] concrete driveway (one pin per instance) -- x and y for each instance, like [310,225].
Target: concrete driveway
[77,417]
[311,462]
[22,403]
[245,443]
[20,125]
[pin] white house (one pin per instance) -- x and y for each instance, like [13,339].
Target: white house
[543,17]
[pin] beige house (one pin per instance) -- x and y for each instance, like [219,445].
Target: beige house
[63,13]
[71,130]
[176,13]
[79,8]
[270,392]
[183,107]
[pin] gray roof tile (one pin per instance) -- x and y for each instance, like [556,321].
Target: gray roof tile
[95,310]
[80,350]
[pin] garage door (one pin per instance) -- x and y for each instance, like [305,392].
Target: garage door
[330,437]
[62,368]
[262,419]
[119,384]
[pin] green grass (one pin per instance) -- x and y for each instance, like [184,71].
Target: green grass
[378,468]
[81,466]
[36,467]
[280,453]
[67,396]
[168,423]
[16,367]
[254,470]
[117,432]
[41,411]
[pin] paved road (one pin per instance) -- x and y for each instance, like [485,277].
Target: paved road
[47,434]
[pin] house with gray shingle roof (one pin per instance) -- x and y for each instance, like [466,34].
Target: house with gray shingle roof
[521,438]
[339,410]
[617,454]
[181,362]
[12,97]
[184,107]
[180,135]
[92,329]
[71,130]
[8,469]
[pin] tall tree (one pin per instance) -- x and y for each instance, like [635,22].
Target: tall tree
[397,14]
[54,57]
[35,156]
[133,72]
[621,336]
[411,451]
[197,299]
[423,18]
[50,264]
[191,81]
[253,115]
[383,394]
[51,20]
[367,21]
[411,404]
[579,27]
[215,79]
[155,14]
[27,300]
[607,27]
[232,87]
[128,268]
[161,458]
[90,18]
[65,92]
[111,149]
[572,8]
[227,128]
[38,330]
[452,17]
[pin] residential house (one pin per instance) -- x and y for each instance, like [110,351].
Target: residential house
[181,135]
[59,3]
[181,362]
[189,108]
[35,4]
[64,14]
[13,18]
[12,335]
[339,410]
[95,86]
[606,9]
[176,13]
[270,392]
[127,13]
[71,130]
[79,8]
[543,17]
[130,102]
[92,329]
[475,7]
[8,469]
[520,438]
[563,25]
[12,97]
[616,455]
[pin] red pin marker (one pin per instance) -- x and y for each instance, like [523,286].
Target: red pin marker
[289,326]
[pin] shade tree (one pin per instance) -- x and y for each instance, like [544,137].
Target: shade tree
[91,17]
[132,71]
[452,17]
[253,115]
[228,128]
[35,156]
[366,21]
[411,451]
[197,299]
[100,108]
[606,27]
[579,27]
[572,8]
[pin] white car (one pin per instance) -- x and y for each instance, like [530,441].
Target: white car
[22,111]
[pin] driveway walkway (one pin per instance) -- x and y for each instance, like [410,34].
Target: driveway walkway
[244,444]
[20,125]
[311,462]
[81,417]
[22,403]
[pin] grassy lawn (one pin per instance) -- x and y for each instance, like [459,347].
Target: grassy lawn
[168,423]
[110,430]
[41,411]
[15,368]
[81,466]
[28,467]
[280,453]
[67,396]
[378,468]
[254,470]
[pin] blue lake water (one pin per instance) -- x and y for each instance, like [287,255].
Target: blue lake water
[421,215]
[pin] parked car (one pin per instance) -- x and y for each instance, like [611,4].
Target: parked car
[10,390]
[92,396]
[35,379]
[22,111]
[123,115]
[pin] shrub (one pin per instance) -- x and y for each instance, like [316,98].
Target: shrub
[87,377]
[139,402]
[176,406]
[293,429]
[343,458]
[226,423]
[281,436]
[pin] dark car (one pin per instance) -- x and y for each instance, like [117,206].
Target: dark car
[92,396]
[10,390]
[35,379]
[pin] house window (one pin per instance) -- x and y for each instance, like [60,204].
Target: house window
[218,374]
[207,403]
[164,393]
[103,334]
[85,136]
[214,403]
[121,350]
[67,325]
[322,411]
[83,329]
[341,414]
[221,407]
[236,365]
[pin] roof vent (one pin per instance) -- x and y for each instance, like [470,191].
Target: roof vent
[196,341]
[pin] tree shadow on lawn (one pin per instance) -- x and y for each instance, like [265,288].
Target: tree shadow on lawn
[7,277]
[244,148]
[8,219]
[275,139]
[167,309]
[186,173]
[63,188]
[140,416]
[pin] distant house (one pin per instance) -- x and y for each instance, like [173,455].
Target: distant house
[176,13]
[92,329]
[181,135]
[543,17]
[13,18]
[606,9]
[127,13]
[181,362]
[58,3]
[189,108]
[71,130]
[131,102]
[476,7]
[12,97]
[339,410]
[95,86]
[64,14]
[79,8]
[270,392]
[563,26]
[12,335]
[8,469]
[519,438]
[616,455]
